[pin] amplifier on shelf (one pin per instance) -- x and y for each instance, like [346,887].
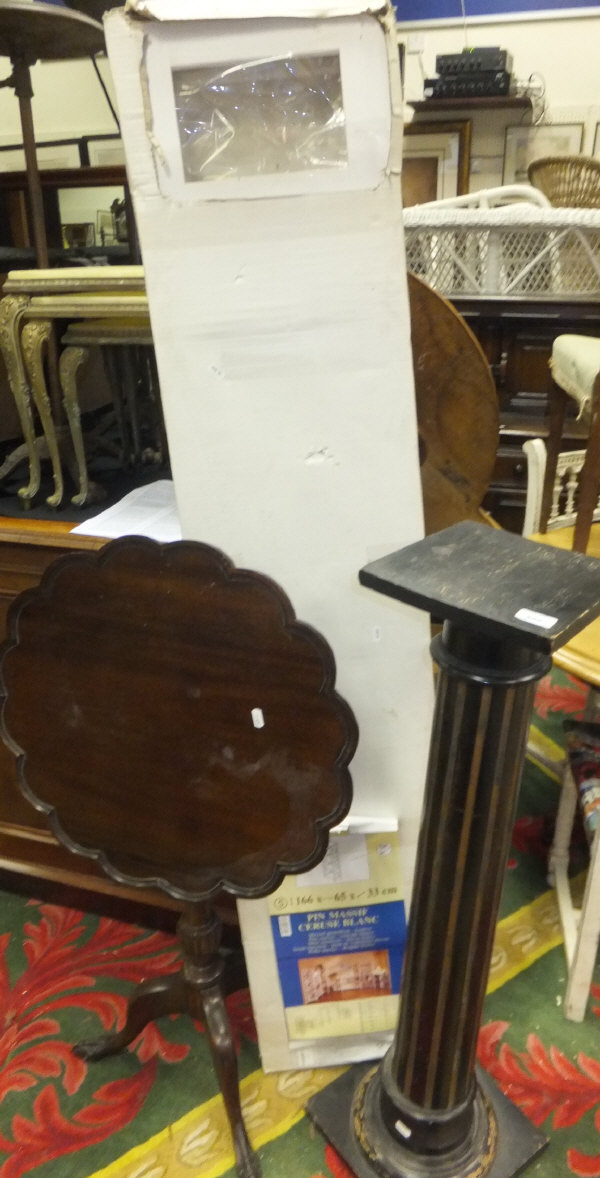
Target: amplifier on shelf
[487,84]
[474,61]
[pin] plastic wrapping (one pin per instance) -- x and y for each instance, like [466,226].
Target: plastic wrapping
[262,117]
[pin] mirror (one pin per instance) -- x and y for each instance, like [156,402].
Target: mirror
[86,211]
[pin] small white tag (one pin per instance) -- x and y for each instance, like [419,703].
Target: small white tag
[257,717]
[530,615]
[403,1129]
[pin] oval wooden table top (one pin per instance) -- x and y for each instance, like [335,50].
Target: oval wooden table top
[457,410]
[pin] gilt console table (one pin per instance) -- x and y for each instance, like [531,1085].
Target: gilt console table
[33,301]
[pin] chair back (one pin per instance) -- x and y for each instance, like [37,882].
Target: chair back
[491,198]
[571,181]
[565,489]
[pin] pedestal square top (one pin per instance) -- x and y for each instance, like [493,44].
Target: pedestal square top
[493,581]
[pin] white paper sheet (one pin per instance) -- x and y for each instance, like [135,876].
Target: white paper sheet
[148,511]
[344,861]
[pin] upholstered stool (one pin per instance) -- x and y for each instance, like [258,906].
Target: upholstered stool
[575,374]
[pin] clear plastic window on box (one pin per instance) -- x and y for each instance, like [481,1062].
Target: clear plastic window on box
[262,117]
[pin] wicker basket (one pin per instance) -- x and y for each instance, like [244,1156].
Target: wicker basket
[569,182]
[516,252]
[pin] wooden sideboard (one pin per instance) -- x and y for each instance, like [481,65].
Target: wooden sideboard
[517,339]
[31,859]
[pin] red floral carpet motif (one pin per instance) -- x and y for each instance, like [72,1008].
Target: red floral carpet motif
[335,1164]
[545,1083]
[541,1083]
[567,698]
[63,965]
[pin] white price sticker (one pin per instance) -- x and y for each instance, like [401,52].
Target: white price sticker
[535,619]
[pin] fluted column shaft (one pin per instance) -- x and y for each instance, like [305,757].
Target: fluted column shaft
[475,764]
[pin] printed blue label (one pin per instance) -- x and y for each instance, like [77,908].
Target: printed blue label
[340,953]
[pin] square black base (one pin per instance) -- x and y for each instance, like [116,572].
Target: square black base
[519,1141]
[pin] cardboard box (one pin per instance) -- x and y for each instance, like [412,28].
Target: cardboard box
[276,280]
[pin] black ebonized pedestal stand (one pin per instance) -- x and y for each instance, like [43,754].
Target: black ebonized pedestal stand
[426,1111]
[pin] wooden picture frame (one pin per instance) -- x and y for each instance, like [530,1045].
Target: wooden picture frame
[436,160]
[105,151]
[54,154]
[523,144]
[96,151]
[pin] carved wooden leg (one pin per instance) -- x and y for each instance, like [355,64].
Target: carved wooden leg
[557,407]
[35,337]
[71,361]
[200,935]
[12,308]
[589,480]
[150,1000]
[224,1059]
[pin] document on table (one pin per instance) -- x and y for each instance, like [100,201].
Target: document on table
[147,511]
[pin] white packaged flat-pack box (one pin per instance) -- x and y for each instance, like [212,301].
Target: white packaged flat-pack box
[263,148]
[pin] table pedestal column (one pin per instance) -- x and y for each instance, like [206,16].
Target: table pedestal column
[425,1111]
[423,1105]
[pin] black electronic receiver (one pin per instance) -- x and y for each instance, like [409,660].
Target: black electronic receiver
[474,61]
[487,84]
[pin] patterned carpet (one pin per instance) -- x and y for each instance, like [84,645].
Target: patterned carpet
[154,1112]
